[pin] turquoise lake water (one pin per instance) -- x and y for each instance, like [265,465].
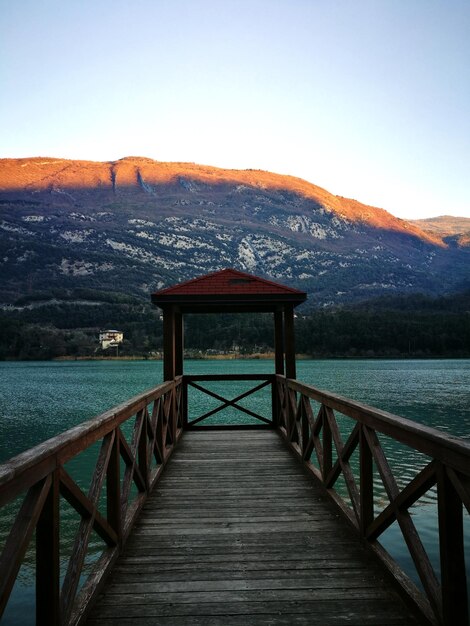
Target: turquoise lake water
[41,399]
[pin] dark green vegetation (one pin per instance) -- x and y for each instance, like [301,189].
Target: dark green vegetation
[58,324]
[50,325]
[401,326]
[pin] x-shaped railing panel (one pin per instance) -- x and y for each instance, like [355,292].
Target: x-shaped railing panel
[317,440]
[39,478]
[266,380]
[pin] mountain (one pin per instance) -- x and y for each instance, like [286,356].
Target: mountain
[452,230]
[134,225]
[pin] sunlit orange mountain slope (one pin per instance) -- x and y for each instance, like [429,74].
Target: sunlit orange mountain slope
[142,174]
[135,224]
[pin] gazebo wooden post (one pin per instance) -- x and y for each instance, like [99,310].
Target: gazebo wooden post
[278,341]
[169,343]
[179,343]
[289,341]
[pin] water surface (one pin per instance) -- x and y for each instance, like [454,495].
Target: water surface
[41,399]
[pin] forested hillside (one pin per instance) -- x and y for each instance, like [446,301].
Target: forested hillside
[416,325]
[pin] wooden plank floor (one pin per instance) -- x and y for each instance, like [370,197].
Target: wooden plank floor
[237,533]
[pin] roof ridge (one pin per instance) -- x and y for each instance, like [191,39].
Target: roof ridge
[267,281]
[190,281]
[225,271]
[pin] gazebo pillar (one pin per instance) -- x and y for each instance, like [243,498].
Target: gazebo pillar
[289,337]
[169,364]
[172,342]
[279,342]
[179,343]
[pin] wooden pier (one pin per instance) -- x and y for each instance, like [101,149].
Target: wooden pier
[238,522]
[237,532]
[274,518]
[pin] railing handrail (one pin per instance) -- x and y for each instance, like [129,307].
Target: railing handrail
[135,457]
[62,447]
[451,450]
[316,437]
[228,377]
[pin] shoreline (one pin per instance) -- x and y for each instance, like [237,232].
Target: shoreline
[203,357]
[268,356]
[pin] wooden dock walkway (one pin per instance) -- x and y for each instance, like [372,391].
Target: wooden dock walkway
[279,524]
[237,532]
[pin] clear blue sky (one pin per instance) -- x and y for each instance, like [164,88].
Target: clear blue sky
[369,99]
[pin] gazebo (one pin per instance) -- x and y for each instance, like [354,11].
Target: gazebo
[228,291]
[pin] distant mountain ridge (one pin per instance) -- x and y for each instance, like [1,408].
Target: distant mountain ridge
[136,225]
[450,229]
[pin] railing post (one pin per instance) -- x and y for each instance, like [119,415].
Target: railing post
[281,403]
[47,558]
[113,488]
[275,402]
[366,483]
[184,402]
[327,445]
[305,428]
[173,414]
[143,457]
[291,411]
[452,552]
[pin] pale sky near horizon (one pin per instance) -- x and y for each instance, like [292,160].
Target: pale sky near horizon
[368,99]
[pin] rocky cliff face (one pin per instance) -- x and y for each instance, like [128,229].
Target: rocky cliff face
[136,225]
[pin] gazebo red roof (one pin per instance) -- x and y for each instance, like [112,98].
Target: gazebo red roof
[228,286]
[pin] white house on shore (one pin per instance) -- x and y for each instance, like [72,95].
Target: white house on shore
[110,338]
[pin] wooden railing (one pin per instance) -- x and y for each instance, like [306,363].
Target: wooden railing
[313,423]
[257,420]
[135,438]
[334,437]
